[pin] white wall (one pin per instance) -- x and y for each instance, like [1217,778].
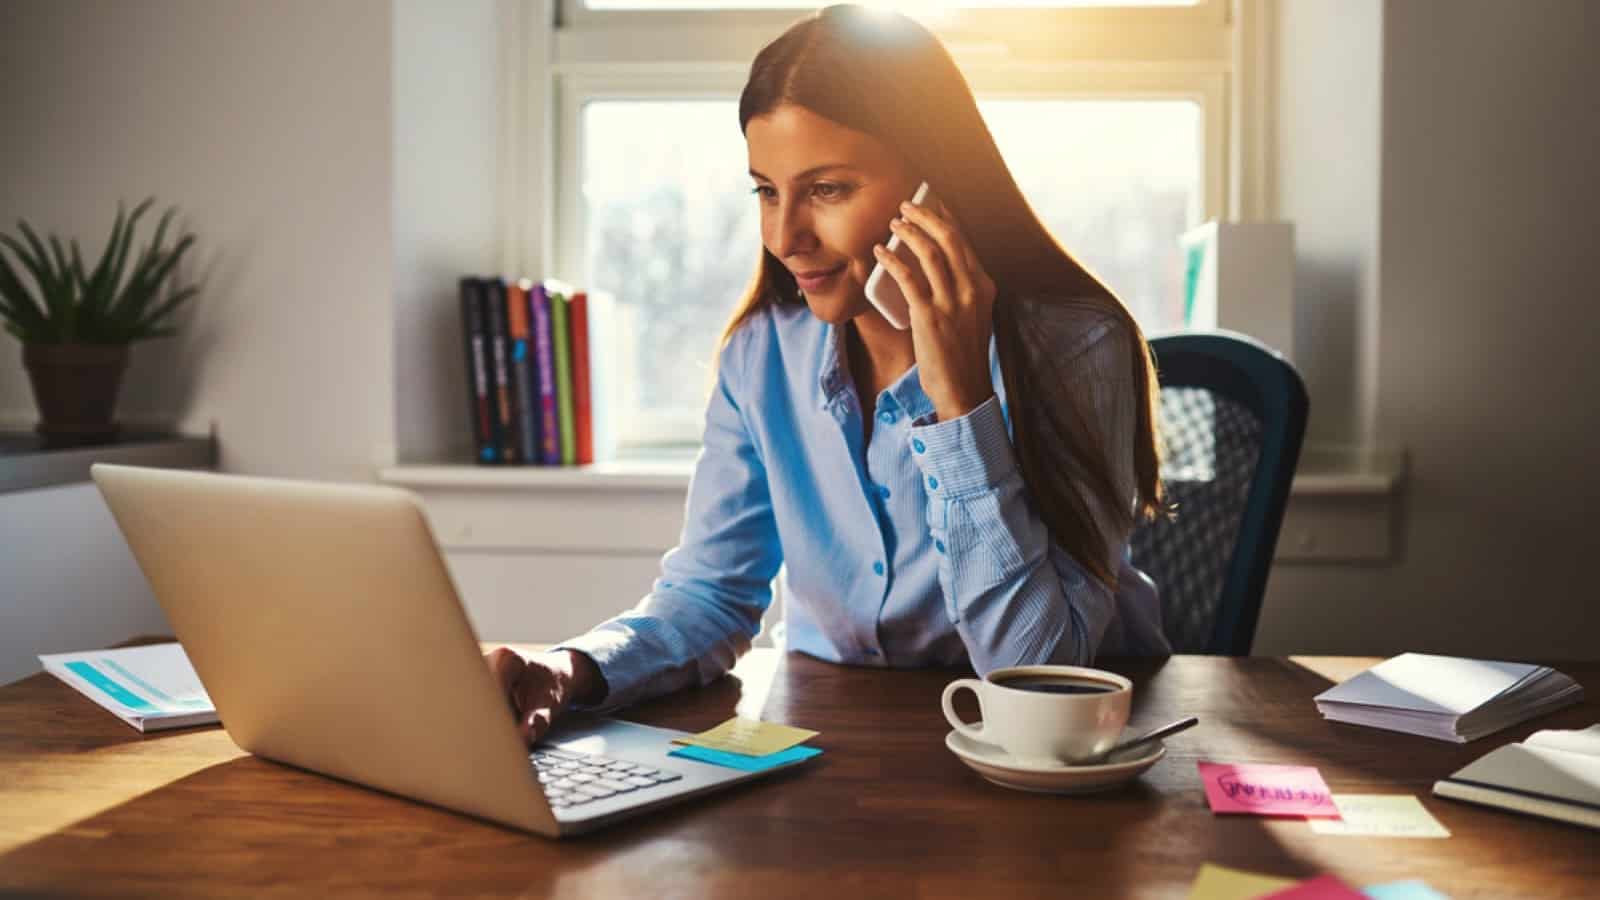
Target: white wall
[68,582]
[1327,151]
[1486,325]
[446,210]
[269,124]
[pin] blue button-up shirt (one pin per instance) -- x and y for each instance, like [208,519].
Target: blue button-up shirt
[916,547]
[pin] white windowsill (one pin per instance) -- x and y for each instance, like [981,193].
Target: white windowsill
[622,476]
[1343,506]
[1323,472]
[1338,471]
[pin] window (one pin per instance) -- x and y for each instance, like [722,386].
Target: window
[650,200]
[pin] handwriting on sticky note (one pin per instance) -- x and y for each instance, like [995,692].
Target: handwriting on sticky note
[1266,790]
[1324,887]
[747,736]
[1216,882]
[1381,815]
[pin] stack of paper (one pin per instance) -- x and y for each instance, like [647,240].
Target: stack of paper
[150,687]
[1446,697]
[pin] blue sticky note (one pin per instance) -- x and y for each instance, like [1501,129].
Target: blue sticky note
[745,763]
[1403,890]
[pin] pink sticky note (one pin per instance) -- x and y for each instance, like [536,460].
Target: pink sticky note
[1323,887]
[1264,790]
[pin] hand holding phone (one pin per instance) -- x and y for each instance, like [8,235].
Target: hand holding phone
[882,290]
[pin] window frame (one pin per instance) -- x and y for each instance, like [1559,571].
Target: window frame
[567,55]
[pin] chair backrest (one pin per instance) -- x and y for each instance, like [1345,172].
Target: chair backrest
[1232,418]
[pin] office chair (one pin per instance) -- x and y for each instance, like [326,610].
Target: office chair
[1232,416]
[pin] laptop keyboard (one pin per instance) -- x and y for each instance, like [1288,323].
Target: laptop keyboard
[571,779]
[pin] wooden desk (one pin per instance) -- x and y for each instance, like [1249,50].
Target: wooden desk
[89,806]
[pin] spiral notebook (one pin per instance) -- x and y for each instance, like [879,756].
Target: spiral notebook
[1555,774]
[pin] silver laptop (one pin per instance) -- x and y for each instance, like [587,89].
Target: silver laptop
[323,623]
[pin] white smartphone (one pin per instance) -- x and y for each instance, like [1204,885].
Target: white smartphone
[882,290]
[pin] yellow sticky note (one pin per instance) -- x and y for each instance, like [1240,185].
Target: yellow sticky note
[1381,815]
[749,737]
[1221,883]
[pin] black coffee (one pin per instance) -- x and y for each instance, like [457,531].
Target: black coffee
[1056,684]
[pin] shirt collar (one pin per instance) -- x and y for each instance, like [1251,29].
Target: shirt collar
[832,380]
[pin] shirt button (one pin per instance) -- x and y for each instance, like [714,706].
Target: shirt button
[938,545]
[886,416]
[877,568]
[918,445]
[883,491]
[933,482]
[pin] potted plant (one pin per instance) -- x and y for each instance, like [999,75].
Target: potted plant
[76,324]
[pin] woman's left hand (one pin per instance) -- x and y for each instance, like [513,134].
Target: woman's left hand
[952,307]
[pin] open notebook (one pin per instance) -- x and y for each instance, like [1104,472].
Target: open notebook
[1447,697]
[1555,774]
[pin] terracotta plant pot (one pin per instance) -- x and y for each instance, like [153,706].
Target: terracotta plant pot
[75,387]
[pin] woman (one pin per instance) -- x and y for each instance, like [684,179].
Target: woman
[924,519]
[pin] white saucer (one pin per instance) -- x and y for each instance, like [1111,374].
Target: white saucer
[999,767]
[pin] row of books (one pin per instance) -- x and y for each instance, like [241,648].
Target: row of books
[528,371]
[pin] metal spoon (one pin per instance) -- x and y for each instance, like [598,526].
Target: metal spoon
[1145,738]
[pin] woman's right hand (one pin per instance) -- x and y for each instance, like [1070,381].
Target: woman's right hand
[538,687]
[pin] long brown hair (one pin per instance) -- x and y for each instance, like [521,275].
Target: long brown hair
[885,75]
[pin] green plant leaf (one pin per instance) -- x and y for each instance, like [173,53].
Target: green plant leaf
[146,274]
[25,317]
[41,275]
[96,280]
[154,269]
[94,288]
[69,289]
[56,294]
[98,304]
[129,303]
[146,325]
[28,261]
[165,264]
[20,306]
[161,227]
[109,296]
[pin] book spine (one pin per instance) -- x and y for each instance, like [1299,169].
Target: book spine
[473,335]
[560,336]
[522,372]
[582,402]
[507,442]
[549,445]
[536,401]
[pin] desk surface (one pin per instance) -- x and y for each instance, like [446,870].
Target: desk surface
[87,805]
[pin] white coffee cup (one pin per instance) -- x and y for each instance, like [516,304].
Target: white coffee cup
[1036,724]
